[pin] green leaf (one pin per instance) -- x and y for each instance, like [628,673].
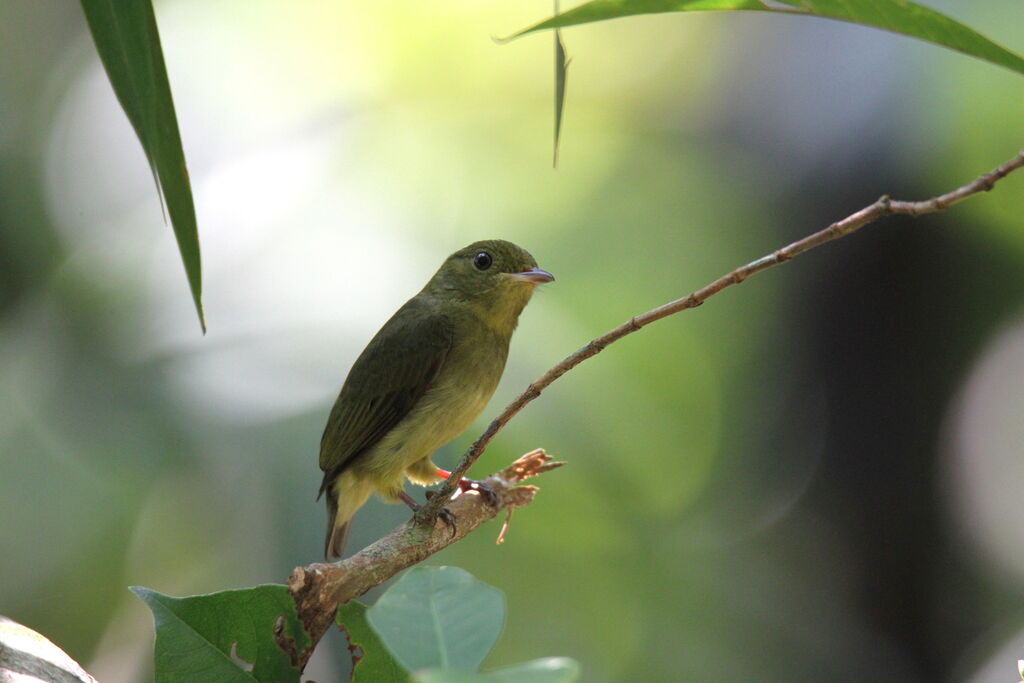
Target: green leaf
[561,73]
[547,670]
[898,16]
[371,661]
[439,617]
[128,43]
[225,637]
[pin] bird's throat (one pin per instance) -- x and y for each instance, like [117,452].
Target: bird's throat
[499,310]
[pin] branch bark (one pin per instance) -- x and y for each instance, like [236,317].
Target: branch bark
[319,588]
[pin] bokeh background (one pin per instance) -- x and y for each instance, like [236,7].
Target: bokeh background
[815,476]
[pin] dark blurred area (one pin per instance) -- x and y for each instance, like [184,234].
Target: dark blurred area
[893,335]
[814,476]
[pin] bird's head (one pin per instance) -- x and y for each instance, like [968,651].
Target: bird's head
[496,276]
[489,267]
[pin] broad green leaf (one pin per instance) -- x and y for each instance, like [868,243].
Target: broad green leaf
[898,16]
[439,617]
[547,670]
[128,43]
[226,636]
[371,661]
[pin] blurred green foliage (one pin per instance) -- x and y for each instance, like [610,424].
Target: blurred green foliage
[784,481]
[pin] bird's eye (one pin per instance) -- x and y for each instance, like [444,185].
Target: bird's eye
[482,260]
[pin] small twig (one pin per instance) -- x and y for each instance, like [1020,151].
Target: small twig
[855,221]
[504,527]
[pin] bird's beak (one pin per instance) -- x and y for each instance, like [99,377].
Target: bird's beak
[533,276]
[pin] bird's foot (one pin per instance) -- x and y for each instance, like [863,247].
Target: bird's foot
[444,514]
[465,484]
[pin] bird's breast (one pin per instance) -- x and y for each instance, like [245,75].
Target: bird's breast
[463,388]
[460,392]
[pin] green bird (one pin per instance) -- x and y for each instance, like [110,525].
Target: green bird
[422,380]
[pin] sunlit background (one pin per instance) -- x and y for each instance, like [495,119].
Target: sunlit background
[815,476]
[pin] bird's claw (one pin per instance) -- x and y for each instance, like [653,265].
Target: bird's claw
[444,514]
[465,484]
[485,491]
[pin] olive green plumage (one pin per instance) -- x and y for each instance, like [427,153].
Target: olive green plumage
[423,379]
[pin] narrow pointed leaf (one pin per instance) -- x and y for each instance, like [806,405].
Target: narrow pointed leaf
[128,43]
[561,68]
[439,617]
[226,636]
[898,16]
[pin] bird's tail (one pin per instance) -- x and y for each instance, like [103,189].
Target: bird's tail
[334,544]
[336,537]
[345,495]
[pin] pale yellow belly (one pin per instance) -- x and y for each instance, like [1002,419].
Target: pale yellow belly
[444,412]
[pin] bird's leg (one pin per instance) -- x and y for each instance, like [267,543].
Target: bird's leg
[485,491]
[446,516]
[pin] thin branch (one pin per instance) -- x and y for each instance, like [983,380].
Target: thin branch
[319,588]
[855,221]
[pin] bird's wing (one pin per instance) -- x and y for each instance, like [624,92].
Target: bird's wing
[386,381]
